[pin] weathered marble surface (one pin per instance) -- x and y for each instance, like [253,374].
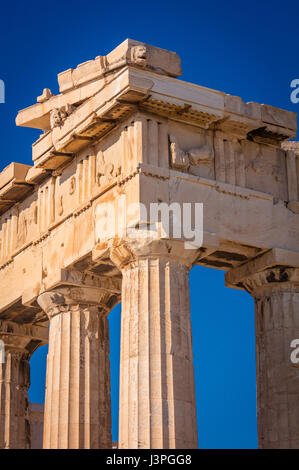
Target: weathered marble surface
[123,126]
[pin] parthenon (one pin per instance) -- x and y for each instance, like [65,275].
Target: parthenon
[125,126]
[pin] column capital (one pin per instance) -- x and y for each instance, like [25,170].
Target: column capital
[128,252]
[61,299]
[278,278]
[276,269]
[20,341]
[22,338]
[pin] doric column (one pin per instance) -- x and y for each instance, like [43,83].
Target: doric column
[77,403]
[19,342]
[276,293]
[157,393]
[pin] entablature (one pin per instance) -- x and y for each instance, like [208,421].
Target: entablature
[142,80]
[127,126]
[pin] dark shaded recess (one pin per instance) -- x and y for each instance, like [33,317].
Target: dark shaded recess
[218,264]
[112,301]
[19,313]
[83,264]
[262,132]
[282,276]
[229,256]
[33,345]
[102,269]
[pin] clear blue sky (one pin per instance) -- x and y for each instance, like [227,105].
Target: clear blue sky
[248,49]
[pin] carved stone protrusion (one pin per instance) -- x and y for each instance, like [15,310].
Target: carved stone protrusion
[138,55]
[182,160]
[59,115]
[45,96]
[72,185]
[179,158]
[201,155]
[56,118]
[107,172]
[60,206]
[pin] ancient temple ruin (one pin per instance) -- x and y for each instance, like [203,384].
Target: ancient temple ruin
[124,126]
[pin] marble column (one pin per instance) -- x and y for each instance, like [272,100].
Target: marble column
[157,394]
[276,293]
[77,403]
[18,342]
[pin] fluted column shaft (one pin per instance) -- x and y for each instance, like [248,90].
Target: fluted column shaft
[14,413]
[276,293]
[77,403]
[157,393]
[277,325]
[19,342]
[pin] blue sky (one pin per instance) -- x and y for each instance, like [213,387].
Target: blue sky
[248,49]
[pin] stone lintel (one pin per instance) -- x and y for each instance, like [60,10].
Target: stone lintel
[276,257]
[72,277]
[75,127]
